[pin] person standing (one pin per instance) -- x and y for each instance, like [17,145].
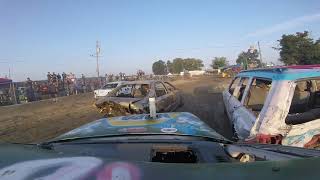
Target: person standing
[59,78]
[84,87]
[36,90]
[30,93]
[64,78]
[49,77]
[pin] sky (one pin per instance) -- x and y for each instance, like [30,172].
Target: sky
[40,36]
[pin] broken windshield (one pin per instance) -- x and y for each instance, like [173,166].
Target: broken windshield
[110,86]
[131,91]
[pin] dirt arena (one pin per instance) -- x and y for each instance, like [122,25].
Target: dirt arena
[39,121]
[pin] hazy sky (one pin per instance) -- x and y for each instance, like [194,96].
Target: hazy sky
[37,36]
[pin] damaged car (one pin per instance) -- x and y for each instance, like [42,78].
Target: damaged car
[163,146]
[102,92]
[133,98]
[277,105]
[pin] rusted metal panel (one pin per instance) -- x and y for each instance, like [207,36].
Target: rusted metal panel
[301,134]
[243,121]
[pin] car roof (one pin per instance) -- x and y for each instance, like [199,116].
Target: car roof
[284,72]
[141,82]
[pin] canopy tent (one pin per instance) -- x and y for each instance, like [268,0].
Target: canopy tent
[5,81]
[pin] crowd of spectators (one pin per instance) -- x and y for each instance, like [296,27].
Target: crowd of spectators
[63,84]
[57,85]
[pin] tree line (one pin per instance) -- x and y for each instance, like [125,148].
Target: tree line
[294,49]
[299,48]
[176,66]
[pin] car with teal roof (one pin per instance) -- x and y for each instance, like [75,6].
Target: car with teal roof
[278,105]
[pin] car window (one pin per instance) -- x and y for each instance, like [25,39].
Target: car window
[131,90]
[110,86]
[305,104]
[124,91]
[169,86]
[234,84]
[160,89]
[257,94]
[241,87]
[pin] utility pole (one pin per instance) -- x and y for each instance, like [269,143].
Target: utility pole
[97,55]
[260,52]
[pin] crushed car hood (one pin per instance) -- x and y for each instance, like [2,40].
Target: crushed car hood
[180,123]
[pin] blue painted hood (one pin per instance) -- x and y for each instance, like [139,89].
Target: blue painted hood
[177,123]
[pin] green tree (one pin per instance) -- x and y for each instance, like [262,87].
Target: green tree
[299,48]
[170,66]
[179,65]
[249,57]
[219,62]
[192,64]
[159,68]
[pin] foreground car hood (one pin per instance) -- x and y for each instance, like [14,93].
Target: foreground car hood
[30,162]
[181,123]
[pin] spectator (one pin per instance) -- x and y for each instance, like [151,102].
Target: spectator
[30,93]
[54,78]
[84,87]
[49,77]
[59,78]
[64,78]
[36,88]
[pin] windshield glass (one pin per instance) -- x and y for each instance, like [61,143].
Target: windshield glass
[110,86]
[244,71]
[131,91]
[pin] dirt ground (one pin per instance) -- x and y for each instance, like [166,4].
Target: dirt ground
[38,121]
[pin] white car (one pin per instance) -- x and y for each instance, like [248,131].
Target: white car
[276,105]
[106,89]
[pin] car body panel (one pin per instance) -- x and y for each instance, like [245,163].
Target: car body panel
[180,123]
[241,118]
[31,162]
[284,73]
[271,119]
[302,133]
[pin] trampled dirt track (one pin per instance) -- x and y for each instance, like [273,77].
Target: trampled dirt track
[38,121]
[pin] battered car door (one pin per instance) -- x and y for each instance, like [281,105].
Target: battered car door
[161,97]
[241,119]
[252,101]
[227,95]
